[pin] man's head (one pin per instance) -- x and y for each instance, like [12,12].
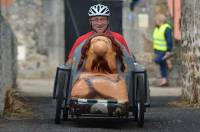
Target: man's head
[99,17]
[160,19]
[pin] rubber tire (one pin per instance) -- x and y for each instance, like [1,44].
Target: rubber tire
[65,114]
[58,111]
[140,114]
[140,104]
[60,97]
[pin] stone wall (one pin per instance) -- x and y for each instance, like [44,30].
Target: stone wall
[8,68]
[190,50]
[39,29]
[138,27]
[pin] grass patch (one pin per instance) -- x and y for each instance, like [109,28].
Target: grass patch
[16,106]
[183,103]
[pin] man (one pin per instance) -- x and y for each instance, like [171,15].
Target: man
[162,45]
[99,21]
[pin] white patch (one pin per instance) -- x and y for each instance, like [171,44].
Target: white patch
[21,53]
[82,100]
[99,108]
[143,20]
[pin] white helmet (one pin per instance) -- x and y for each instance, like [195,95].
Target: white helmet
[99,10]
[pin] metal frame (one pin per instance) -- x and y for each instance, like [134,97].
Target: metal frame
[67,89]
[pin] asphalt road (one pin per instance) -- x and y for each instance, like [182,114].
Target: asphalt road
[160,117]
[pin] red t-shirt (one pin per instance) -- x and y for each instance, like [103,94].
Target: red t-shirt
[117,36]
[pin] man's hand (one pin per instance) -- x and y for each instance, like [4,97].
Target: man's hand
[69,61]
[167,55]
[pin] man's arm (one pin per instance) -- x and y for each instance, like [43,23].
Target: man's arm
[122,41]
[76,44]
[169,39]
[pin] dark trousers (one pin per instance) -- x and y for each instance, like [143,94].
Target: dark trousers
[162,63]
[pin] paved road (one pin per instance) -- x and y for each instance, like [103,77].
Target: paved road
[160,117]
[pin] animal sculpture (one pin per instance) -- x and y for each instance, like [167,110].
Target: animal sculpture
[100,76]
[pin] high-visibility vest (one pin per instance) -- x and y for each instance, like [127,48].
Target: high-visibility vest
[159,41]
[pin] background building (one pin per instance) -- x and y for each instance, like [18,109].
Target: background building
[33,35]
[8,66]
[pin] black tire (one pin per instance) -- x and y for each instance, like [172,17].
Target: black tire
[135,114]
[65,114]
[58,111]
[60,96]
[139,114]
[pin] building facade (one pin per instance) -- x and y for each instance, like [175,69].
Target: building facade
[39,29]
[8,65]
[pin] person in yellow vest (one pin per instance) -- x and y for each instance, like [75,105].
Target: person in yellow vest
[162,45]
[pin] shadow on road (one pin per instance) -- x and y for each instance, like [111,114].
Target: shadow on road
[45,108]
[162,101]
[159,117]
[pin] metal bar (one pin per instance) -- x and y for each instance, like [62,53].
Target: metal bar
[55,84]
[68,87]
[139,72]
[73,19]
[145,83]
[133,91]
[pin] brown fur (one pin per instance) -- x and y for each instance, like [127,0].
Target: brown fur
[99,63]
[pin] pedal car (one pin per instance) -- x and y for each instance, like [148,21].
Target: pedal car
[102,80]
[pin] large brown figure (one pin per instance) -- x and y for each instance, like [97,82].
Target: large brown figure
[99,77]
